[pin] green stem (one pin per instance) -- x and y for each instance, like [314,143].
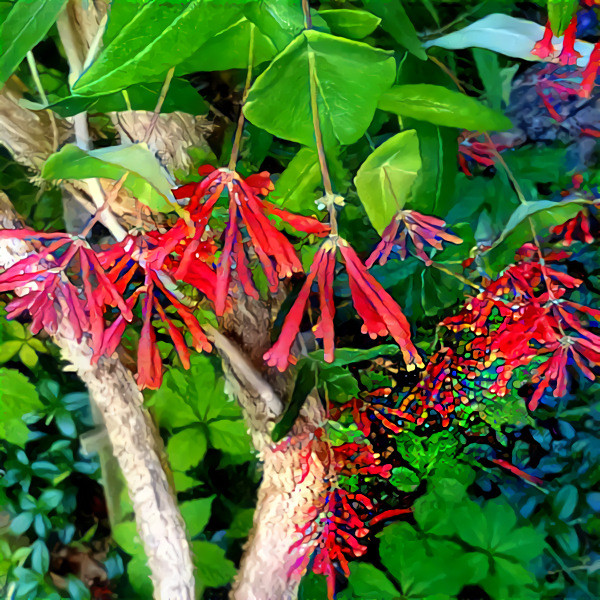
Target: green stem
[40,88]
[314,107]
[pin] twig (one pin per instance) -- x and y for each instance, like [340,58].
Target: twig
[161,99]
[240,125]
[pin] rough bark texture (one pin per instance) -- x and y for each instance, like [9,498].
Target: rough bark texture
[295,471]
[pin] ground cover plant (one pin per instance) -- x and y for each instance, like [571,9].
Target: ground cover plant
[299,299]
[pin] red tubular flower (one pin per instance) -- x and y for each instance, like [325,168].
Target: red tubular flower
[577,228]
[248,211]
[544,47]
[279,354]
[590,73]
[379,312]
[422,229]
[564,351]
[568,54]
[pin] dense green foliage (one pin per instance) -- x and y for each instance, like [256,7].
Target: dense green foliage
[505,499]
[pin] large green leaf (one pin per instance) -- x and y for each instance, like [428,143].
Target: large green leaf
[146,178]
[353,24]
[18,397]
[560,13]
[384,180]
[396,22]
[348,77]
[213,569]
[229,49]
[432,192]
[281,21]
[159,36]
[26,25]
[230,437]
[442,106]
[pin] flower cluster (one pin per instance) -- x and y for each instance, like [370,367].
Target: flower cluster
[95,290]
[379,312]
[420,229]
[544,49]
[523,319]
[335,529]
[249,231]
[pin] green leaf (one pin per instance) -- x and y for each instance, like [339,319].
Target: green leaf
[441,106]
[21,523]
[565,501]
[348,78]
[369,582]
[560,13]
[336,383]
[18,397]
[158,37]
[543,214]
[353,24]
[28,356]
[187,448]
[396,22]
[146,178]
[138,574]
[296,186]
[488,68]
[229,49]
[125,534]
[345,356]
[304,384]
[230,437]
[384,180]
[196,514]
[182,96]
[26,25]
[281,21]
[9,349]
[212,568]
[40,557]
[432,192]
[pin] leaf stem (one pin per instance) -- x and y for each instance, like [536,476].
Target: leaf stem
[314,108]
[40,88]
[235,150]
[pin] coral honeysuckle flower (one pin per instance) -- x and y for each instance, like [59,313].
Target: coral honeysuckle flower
[544,47]
[248,214]
[577,228]
[43,283]
[564,351]
[145,255]
[590,73]
[568,54]
[421,229]
[379,312]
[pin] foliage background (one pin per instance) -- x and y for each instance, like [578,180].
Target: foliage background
[478,532]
